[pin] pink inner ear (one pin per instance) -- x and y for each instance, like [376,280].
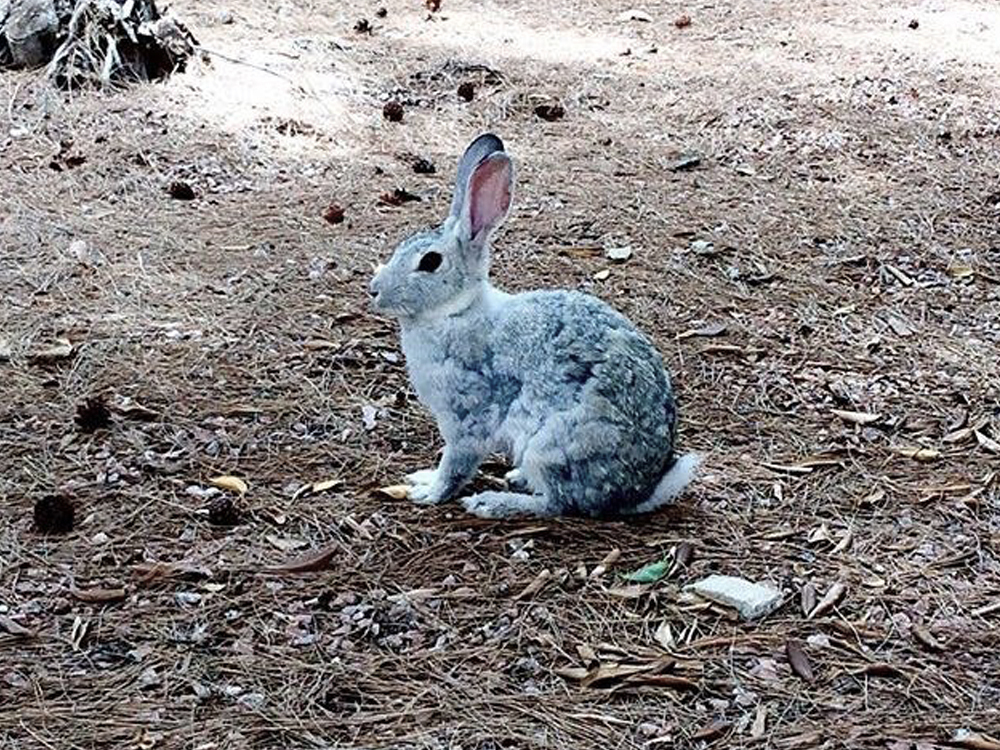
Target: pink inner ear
[489,194]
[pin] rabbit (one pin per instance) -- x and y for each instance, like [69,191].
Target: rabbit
[575,396]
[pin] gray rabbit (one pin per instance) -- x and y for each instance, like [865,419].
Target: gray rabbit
[565,386]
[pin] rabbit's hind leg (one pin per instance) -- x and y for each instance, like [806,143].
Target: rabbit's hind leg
[506,504]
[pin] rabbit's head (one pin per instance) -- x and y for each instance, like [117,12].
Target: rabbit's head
[440,272]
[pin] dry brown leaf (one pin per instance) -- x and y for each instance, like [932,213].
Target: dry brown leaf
[759,722]
[608,673]
[536,585]
[286,544]
[14,627]
[799,661]
[628,592]
[831,597]
[311,561]
[974,740]
[395,491]
[857,417]
[807,598]
[98,595]
[927,639]
[587,653]
[715,329]
[924,455]
[665,636]
[147,572]
[609,559]
[683,555]
[62,349]
[573,673]
[844,543]
[961,272]
[229,482]
[987,443]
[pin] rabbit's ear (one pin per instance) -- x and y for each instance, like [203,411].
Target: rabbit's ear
[487,201]
[478,150]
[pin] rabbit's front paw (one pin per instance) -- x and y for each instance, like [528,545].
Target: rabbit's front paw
[424,476]
[426,494]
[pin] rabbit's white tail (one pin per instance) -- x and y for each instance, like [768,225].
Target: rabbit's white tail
[672,483]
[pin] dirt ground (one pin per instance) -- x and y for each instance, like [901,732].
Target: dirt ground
[824,284]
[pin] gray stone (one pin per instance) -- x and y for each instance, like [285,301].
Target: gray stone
[30,30]
[751,600]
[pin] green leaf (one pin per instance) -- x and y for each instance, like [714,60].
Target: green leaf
[650,573]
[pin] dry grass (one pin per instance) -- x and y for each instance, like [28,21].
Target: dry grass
[850,193]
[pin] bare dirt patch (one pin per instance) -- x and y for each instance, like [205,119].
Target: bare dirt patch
[838,237]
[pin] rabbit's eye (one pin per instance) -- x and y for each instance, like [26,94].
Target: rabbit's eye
[430,262]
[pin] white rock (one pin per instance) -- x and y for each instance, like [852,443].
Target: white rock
[751,600]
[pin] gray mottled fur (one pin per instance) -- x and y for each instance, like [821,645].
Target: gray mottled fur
[556,380]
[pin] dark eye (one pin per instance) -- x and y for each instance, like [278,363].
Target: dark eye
[430,262]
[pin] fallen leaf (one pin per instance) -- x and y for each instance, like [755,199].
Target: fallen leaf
[974,740]
[586,653]
[682,22]
[807,598]
[685,162]
[714,329]
[78,632]
[665,636]
[987,443]
[535,586]
[14,627]
[572,673]
[800,663]
[395,491]
[62,349]
[628,592]
[924,455]
[609,559]
[926,638]
[146,572]
[286,544]
[649,573]
[602,275]
[684,554]
[831,597]
[312,561]
[961,272]
[758,728]
[857,417]
[900,326]
[99,596]
[231,483]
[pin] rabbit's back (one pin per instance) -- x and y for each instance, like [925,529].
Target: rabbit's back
[567,346]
